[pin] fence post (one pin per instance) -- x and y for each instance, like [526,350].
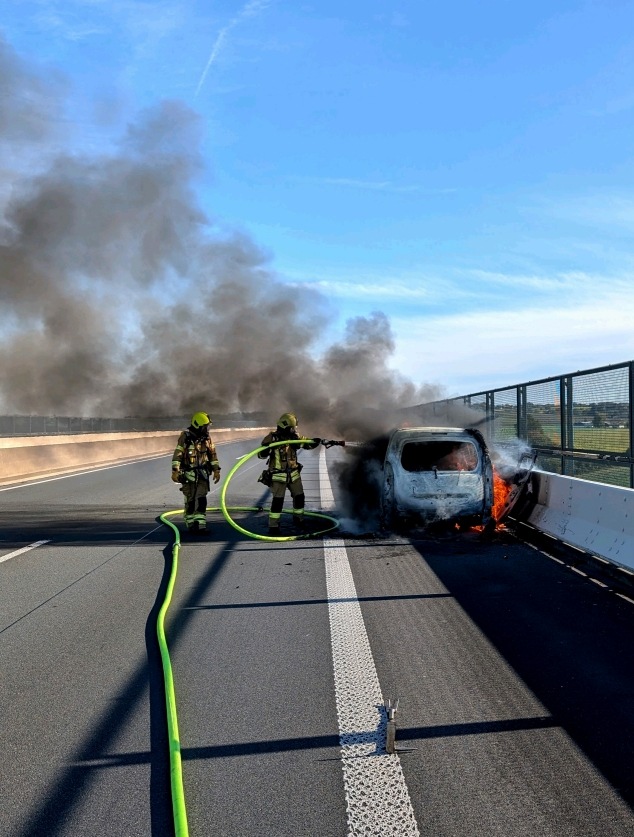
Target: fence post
[631,421]
[522,431]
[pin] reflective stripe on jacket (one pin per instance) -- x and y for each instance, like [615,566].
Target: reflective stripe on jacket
[282,460]
[195,454]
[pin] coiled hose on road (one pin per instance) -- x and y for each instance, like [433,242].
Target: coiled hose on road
[181,828]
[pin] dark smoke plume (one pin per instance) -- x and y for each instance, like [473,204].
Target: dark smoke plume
[119,296]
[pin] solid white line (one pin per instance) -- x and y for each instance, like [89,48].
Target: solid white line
[377,799]
[89,470]
[82,473]
[24,549]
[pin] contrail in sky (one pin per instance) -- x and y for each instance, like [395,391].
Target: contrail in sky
[251,8]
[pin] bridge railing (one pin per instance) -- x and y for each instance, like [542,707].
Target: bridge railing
[580,423]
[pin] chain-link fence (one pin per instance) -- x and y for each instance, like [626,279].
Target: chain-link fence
[580,424]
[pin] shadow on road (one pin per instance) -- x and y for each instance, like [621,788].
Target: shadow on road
[569,640]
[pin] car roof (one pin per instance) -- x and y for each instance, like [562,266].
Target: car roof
[404,435]
[431,429]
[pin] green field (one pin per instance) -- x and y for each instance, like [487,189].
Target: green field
[607,439]
[613,439]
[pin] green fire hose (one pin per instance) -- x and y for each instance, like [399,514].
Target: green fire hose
[179,810]
[176,773]
[224,508]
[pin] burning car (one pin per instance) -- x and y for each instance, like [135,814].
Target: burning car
[434,474]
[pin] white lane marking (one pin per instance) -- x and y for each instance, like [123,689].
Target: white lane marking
[377,800]
[24,549]
[82,473]
[88,470]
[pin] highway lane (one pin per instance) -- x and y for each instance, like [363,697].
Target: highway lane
[81,693]
[514,675]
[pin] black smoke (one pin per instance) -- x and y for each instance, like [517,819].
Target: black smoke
[120,296]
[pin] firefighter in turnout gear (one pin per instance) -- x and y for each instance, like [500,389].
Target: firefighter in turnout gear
[283,471]
[193,463]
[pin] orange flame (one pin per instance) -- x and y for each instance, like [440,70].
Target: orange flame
[501,490]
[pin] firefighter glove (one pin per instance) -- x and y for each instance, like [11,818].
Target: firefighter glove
[216,475]
[176,477]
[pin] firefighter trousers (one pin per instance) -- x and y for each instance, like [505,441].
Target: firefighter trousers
[278,490]
[195,511]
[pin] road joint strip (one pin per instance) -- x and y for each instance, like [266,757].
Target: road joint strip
[377,799]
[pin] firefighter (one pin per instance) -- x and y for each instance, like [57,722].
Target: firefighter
[283,471]
[193,462]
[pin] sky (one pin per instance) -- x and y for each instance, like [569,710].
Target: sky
[464,168]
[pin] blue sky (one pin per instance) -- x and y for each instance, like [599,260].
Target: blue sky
[465,167]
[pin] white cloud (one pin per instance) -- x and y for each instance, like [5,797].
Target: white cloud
[370,290]
[599,211]
[472,352]
[382,186]
[375,185]
[479,289]
[76,20]
[555,283]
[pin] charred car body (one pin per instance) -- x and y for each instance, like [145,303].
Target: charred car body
[437,474]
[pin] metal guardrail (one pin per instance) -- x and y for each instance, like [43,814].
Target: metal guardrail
[580,424]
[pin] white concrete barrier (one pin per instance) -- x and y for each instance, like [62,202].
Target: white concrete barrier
[591,516]
[31,457]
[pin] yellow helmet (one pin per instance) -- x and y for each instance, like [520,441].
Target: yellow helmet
[287,420]
[200,420]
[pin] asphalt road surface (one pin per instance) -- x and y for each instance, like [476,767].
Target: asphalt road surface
[513,673]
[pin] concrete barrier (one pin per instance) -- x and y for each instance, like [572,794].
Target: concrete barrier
[591,516]
[31,457]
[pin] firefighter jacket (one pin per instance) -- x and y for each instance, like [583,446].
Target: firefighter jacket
[194,457]
[282,460]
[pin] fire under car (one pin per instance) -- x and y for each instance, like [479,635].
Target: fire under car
[448,476]
[437,475]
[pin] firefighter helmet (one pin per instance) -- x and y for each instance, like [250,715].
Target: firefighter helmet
[287,420]
[200,420]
